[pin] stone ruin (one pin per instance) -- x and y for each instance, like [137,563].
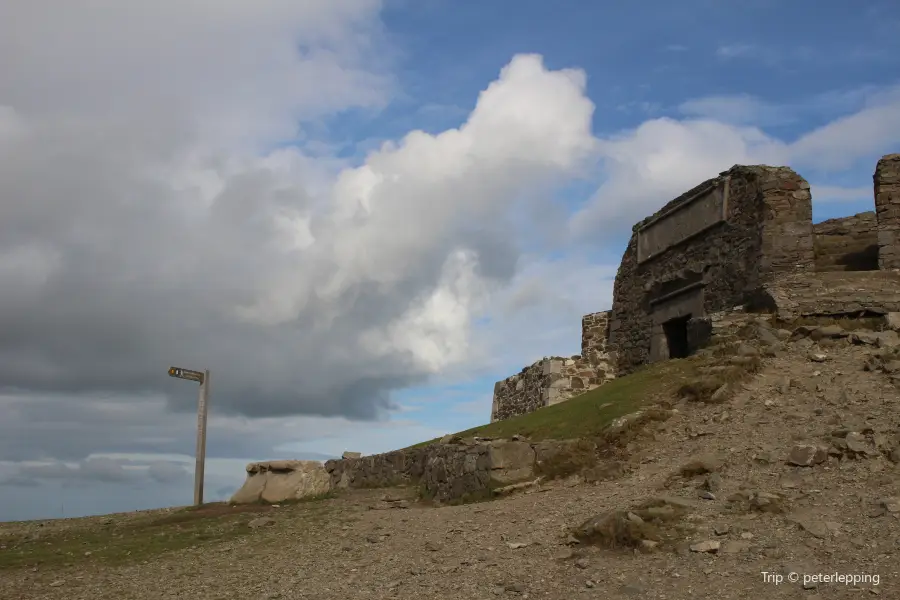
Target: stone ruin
[556,379]
[742,239]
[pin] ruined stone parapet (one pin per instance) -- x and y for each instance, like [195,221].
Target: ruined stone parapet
[556,379]
[887,208]
[595,337]
[798,295]
[847,243]
[787,243]
[449,471]
[547,382]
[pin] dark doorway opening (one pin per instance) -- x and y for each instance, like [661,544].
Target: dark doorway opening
[676,332]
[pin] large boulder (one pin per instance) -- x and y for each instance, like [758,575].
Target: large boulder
[283,480]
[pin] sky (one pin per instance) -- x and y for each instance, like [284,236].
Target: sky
[360,214]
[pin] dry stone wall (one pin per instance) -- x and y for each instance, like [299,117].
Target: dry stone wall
[702,253]
[847,243]
[887,207]
[447,471]
[557,379]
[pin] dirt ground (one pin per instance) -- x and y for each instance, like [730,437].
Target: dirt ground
[835,518]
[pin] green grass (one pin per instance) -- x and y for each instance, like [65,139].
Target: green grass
[130,537]
[587,415]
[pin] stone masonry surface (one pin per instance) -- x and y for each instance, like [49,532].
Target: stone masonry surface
[447,471]
[887,206]
[556,379]
[764,226]
[847,243]
[833,294]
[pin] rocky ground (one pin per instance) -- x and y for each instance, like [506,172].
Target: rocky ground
[795,474]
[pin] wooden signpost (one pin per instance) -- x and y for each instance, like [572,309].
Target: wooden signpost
[203,379]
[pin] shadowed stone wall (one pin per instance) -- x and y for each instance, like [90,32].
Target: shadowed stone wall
[847,243]
[887,207]
[702,253]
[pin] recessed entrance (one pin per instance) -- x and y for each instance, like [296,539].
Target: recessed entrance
[676,332]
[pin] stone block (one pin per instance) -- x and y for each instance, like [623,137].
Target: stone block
[552,366]
[511,461]
[561,383]
[549,396]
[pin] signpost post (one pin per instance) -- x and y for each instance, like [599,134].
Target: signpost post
[203,379]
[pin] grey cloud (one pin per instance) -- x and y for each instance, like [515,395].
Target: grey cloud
[92,469]
[72,427]
[166,472]
[115,273]
[162,229]
[54,470]
[103,469]
[20,481]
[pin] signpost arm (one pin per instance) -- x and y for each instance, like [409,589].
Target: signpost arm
[201,439]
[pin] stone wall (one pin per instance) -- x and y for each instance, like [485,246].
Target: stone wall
[887,207]
[798,295]
[557,379]
[447,471]
[702,253]
[594,339]
[847,243]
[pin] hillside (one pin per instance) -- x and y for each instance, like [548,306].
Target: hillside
[792,469]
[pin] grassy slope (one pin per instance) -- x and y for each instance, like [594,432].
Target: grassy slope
[130,537]
[588,414]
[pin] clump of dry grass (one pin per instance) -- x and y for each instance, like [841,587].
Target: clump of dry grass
[728,366]
[701,390]
[586,456]
[634,427]
[644,526]
[572,458]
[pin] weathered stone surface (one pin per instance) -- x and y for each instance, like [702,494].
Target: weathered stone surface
[765,227]
[847,243]
[706,546]
[281,480]
[449,471]
[793,296]
[511,462]
[399,467]
[892,321]
[887,206]
[807,455]
[556,379]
